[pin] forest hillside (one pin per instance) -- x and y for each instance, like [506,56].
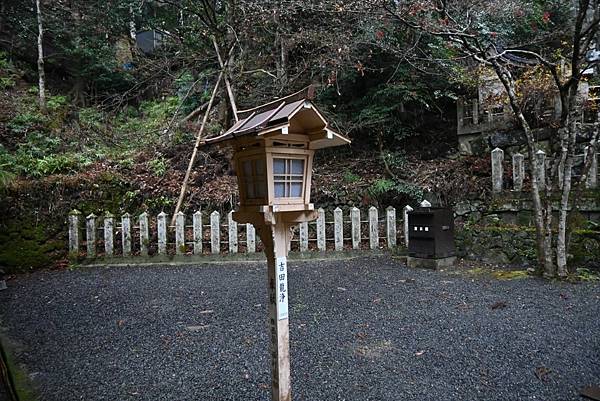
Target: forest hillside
[106,118]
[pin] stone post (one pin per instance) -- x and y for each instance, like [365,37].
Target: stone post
[215,232]
[592,178]
[407,209]
[355,220]
[373,227]
[232,231]
[108,234]
[90,235]
[250,238]
[180,233]
[391,227]
[126,234]
[497,170]
[304,236]
[198,232]
[338,229]
[144,234]
[162,233]
[540,168]
[321,229]
[518,161]
[74,232]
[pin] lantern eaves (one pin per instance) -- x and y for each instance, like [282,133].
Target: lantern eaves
[279,116]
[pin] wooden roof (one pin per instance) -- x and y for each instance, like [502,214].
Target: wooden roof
[288,114]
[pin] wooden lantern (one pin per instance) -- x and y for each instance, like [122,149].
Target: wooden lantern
[273,148]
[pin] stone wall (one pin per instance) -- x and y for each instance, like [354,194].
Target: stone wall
[502,232]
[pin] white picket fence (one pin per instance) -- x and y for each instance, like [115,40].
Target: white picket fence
[540,166]
[115,238]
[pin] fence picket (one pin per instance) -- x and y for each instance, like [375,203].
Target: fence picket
[144,234]
[303,236]
[74,232]
[90,235]
[355,220]
[391,227]
[215,232]
[338,229]
[198,232]
[126,234]
[321,229]
[250,238]
[232,229]
[162,233]
[180,233]
[373,228]
[108,234]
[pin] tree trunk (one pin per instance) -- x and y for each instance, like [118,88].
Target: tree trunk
[281,57]
[561,241]
[132,28]
[544,254]
[40,61]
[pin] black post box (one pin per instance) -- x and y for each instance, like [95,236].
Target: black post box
[431,233]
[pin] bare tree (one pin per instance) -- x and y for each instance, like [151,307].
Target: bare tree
[40,61]
[463,26]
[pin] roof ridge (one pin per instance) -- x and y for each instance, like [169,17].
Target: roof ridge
[305,93]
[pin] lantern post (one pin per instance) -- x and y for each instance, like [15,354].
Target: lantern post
[273,148]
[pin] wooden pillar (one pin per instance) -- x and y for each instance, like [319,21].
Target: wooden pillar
[276,239]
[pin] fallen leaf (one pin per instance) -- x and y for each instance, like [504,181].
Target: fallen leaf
[498,305]
[542,372]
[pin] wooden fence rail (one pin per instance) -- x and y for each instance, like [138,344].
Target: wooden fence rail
[214,234]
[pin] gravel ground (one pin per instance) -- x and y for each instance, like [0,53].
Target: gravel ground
[361,329]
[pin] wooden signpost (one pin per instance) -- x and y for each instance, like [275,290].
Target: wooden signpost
[273,146]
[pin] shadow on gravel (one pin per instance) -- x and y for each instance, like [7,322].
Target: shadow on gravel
[361,329]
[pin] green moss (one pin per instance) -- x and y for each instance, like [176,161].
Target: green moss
[510,274]
[587,275]
[25,246]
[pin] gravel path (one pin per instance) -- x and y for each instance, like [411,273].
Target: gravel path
[362,329]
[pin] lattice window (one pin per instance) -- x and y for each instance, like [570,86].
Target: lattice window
[288,177]
[255,178]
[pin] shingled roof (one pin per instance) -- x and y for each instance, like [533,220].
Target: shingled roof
[277,115]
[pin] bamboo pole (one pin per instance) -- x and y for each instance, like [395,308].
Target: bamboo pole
[227,83]
[195,152]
